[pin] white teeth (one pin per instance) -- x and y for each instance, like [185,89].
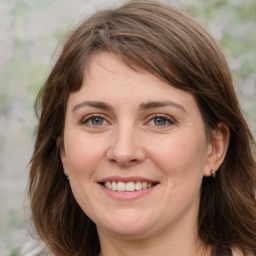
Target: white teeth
[114,185]
[120,186]
[109,184]
[129,186]
[138,186]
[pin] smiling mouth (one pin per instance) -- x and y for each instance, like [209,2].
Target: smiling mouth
[130,186]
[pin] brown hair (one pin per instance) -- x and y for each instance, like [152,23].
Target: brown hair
[171,45]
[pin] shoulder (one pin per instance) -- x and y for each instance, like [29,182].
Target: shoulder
[236,252]
[33,248]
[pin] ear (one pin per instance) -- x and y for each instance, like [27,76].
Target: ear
[60,145]
[218,147]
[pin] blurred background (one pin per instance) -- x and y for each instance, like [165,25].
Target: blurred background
[30,33]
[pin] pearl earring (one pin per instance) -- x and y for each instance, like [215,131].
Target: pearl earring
[213,174]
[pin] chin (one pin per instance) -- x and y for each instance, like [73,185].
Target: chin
[128,226]
[128,232]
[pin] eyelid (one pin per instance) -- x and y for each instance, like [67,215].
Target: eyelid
[169,119]
[86,118]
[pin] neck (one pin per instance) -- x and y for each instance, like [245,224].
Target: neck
[168,243]
[150,247]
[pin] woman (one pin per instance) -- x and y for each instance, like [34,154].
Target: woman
[141,146]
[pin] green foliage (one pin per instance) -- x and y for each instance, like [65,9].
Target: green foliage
[13,249]
[236,25]
[5,100]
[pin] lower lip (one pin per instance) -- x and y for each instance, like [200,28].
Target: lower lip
[125,195]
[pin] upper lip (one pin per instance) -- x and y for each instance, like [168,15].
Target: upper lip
[127,179]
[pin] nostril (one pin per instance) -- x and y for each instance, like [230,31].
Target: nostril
[124,162]
[125,156]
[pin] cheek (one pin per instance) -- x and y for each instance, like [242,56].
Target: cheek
[180,155]
[83,159]
[82,153]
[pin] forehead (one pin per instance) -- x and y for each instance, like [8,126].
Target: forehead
[101,63]
[108,78]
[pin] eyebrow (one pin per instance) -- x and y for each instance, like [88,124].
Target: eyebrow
[143,106]
[94,104]
[158,104]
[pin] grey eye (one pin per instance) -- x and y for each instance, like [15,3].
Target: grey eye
[97,121]
[160,121]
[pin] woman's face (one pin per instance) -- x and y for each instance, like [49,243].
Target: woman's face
[135,151]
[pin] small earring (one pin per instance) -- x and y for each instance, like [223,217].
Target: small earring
[213,174]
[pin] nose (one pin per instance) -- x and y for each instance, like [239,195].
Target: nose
[126,148]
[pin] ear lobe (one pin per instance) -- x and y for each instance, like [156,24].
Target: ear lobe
[219,145]
[62,153]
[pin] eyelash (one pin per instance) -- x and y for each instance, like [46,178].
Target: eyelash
[165,118]
[92,117]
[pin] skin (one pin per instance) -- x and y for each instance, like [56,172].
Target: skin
[126,137]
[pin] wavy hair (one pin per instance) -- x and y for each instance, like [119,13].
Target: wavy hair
[170,44]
